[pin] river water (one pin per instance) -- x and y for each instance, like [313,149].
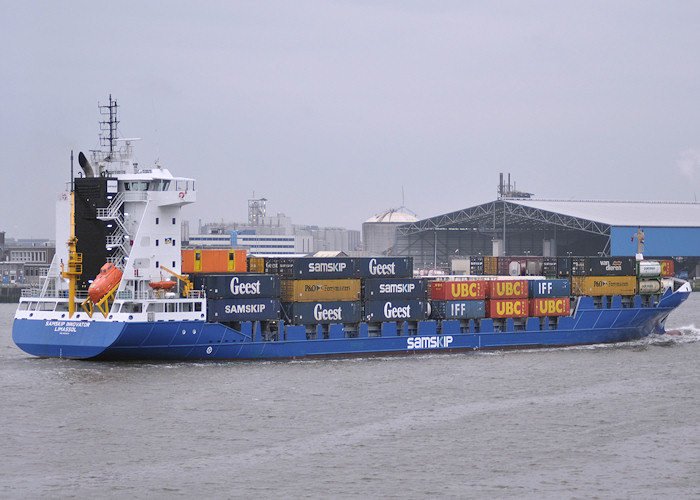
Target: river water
[613,421]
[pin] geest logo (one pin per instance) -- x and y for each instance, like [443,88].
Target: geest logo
[381,269]
[238,288]
[321,314]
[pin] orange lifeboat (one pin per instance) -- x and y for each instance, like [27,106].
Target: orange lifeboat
[108,278]
[161,285]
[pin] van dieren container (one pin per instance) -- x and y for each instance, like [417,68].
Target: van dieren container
[610,266]
[259,309]
[377,267]
[396,310]
[457,309]
[394,288]
[311,313]
[549,288]
[240,285]
[320,290]
[457,290]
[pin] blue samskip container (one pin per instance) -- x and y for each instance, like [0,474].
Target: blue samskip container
[258,309]
[549,288]
[458,309]
[394,288]
[387,267]
[239,285]
[376,311]
[310,313]
[324,268]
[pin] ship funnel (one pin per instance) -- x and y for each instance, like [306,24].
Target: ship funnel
[85,164]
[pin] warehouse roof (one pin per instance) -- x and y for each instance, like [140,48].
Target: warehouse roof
[591,216]
[623,213]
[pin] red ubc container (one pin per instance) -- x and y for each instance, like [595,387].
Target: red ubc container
[507,289]
[667,268]
[458,290]
[552,306]
[507,308]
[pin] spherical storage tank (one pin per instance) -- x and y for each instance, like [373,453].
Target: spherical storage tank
[379,232]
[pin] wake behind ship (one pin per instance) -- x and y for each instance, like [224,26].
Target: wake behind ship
[123,288]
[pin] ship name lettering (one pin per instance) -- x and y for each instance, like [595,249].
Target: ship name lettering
[381,269]
[322,314]
[429,342]
[238,288]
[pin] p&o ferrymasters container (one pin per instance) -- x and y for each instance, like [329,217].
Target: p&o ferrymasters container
[457,290]
[387,267]
[258,309]
[311,313]
[457,309]
[320,290]
[229,286]
[394,288]
[603,285]
[396,310]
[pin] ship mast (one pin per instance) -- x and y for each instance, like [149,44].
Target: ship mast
[75,259]
[109,127]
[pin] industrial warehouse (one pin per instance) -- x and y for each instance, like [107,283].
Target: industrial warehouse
[517,225]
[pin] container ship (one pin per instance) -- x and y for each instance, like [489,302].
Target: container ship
[124,288]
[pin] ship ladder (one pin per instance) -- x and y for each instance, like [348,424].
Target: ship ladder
[103,304]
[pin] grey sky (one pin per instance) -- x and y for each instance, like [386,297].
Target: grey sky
[329,108]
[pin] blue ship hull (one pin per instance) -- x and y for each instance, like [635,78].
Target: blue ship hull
[199,340]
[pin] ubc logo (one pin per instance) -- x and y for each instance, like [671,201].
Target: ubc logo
[508,288]
[510,308]
[464,290]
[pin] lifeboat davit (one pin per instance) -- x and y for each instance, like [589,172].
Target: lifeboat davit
[161,285]
[108,278]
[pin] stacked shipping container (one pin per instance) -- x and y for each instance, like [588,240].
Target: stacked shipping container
[382,289]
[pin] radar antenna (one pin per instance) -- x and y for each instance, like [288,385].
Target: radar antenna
[109,127]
